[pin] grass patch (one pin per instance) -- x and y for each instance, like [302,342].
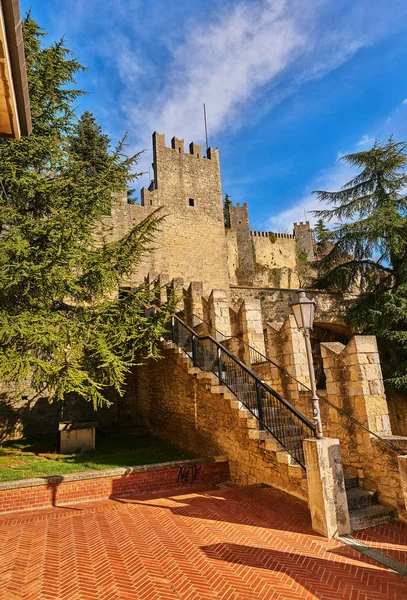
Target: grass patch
[38,457]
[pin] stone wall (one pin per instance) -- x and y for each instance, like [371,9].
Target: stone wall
[274,250]
[26,414]
[275,304]
[189,408]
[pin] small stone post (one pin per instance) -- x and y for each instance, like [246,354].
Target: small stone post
[326,487]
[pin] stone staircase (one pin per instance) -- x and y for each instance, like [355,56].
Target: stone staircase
[260,437]
[364,510]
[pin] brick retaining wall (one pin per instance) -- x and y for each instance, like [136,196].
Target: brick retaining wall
[46,492]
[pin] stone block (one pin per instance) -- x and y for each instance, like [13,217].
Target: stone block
[365,343]
[76,437]
[326,487]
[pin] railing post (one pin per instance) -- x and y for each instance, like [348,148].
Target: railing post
[220,371]
[173,329]
[194,350]
[259,404]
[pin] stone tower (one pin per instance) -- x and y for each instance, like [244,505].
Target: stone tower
[192,243]
[239,222]
[303,238]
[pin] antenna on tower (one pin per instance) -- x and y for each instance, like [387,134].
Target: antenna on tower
[206,128]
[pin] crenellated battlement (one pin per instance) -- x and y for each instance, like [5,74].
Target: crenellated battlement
[286,236]
[178,145]
[302,225]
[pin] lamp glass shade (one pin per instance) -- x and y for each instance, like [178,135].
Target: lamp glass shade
[307,311]
[304,311]
[297,314]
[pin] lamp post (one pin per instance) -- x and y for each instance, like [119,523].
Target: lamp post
[304,310]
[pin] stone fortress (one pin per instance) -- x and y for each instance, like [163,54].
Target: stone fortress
[193,241]
[236,286]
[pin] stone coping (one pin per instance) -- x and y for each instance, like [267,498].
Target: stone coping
[75,425]
[117,472]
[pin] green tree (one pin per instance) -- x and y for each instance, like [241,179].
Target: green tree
[371,250]
[227,203]
[90,144]
[62,326]
[322,232]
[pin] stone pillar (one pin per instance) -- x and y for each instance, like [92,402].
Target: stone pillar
[219,318]
[176,289]
[163,281]
[193,304]
[286,347]
[327,498]
[252,328]
[354,381]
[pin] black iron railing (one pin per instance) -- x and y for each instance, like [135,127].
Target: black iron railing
[274,414]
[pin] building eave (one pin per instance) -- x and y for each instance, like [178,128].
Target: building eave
[15,115]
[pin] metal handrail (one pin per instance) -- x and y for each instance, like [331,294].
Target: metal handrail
[274,414]
[252,374]
[322,398]
[266,358]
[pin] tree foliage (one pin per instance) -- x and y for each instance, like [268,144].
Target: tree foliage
[227,203]
[370,249]
[322,232]
[62,326]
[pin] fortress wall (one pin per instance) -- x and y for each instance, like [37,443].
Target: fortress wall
[274,252]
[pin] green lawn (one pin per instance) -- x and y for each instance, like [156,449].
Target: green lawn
[38,457]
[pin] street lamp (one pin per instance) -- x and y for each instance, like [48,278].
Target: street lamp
[304,310]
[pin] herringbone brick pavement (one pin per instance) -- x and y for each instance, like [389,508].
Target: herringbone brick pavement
[389,539]
[236,544]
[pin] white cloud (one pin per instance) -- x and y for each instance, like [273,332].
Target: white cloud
[245,60]
[223,65]
[366,140]
[404,101]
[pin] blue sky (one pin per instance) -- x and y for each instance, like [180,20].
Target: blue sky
[289,85]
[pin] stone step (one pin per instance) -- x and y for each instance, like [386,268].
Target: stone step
[358,498]
[259,434]
[351,482]
[370,516]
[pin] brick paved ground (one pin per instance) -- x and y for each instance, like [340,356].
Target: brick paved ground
[389,539]
[234,544]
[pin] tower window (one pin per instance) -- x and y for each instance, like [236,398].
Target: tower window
[191,202]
